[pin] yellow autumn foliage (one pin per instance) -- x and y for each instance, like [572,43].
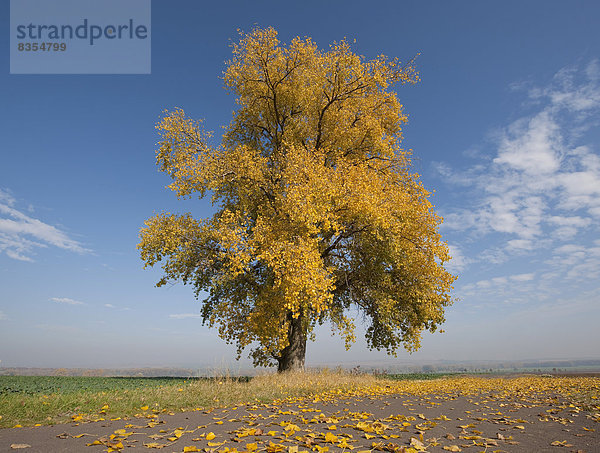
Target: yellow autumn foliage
[318,211]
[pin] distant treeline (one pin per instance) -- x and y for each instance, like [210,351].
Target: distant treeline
[562,364]
[383,368]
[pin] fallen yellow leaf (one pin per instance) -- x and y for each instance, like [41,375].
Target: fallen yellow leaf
[275,448]
[331,438]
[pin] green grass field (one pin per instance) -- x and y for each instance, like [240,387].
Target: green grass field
[33,385]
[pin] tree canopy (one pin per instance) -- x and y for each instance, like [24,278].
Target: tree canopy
[319,217]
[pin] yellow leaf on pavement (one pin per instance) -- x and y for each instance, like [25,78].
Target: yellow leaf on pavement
[275,448]
[417,444]
[331,438]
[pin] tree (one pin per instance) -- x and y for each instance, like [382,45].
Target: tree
[319,218]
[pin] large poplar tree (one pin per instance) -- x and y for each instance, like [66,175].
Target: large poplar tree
[319,217]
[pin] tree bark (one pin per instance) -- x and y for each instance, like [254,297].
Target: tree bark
[292,356]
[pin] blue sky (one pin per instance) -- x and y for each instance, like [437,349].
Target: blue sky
[504,127]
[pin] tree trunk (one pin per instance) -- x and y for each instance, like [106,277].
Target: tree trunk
[292,356]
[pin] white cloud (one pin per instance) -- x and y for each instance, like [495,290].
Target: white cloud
[569,248]
[502,290]
[502,280]
[499,280]
[541,186]
[576,262]
[458,262]
[568,226]
[588,269]
[522,277]
[566,93]
[460,219]
[109,305]
[66,300]
[3,316]
[185,315]
[531,145]
[21,234]
[6,198]
[492,255]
